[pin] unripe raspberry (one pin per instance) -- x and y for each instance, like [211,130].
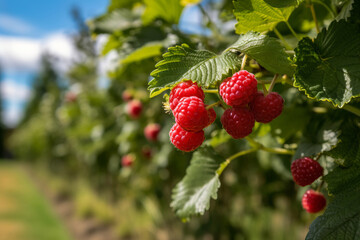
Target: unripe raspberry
[305,171]
[313,202]
[267,108]
[238,90]
[184,89]
[191,114]
[151,131]
[211,115]
[238,122]
[134,108]
[184,140]
[126,96]
[127,160]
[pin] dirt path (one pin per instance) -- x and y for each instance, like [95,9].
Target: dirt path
[24,212]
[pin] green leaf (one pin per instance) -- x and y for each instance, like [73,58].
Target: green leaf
[328,69]
[260,15]
[182,62]
[347,156]
[345,11]
[320,136]
[341,219]
[117,20]
[267,51]
[192,195]
[169,10]
[341,178]
[149,50]
[347,152]
[118,4]
[112,43]
[297,116]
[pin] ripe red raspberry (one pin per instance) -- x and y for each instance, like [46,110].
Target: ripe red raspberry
[191,114]
[134,108]
[147,152]
[151,131]
[211,115]
[267,108]
[70,97]
[127,160]
[305,171]
[238,122]
[185,89]
[239,89]
[126,96]
[313,202]
[184,140]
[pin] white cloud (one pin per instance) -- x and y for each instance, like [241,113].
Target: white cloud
[24,54]
[20,54]
[13,91]
[12,116]
[14,25]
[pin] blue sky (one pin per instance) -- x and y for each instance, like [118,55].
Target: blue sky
[27,28]
[40,17]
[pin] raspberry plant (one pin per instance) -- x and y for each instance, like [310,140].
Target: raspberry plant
[295,73]
[324,66]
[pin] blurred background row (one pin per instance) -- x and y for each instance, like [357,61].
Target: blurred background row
[72,73]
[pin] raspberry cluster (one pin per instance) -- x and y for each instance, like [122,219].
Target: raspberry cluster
[191,116]
[247,104]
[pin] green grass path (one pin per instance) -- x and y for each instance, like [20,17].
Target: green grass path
[24,212]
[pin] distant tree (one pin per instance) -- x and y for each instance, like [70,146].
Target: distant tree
[47,81]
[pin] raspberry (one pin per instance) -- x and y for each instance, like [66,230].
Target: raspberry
[70,97]
[184,140]
[305,171]
[151,131]
[267,108]
[127,160]
[185,89]
[238,122]
[147,152]
[134,108]
[191,114]
[313,202]
[239,89]
[211,115]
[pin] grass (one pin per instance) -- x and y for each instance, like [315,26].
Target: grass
[24,212]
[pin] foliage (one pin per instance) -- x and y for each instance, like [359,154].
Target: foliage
[283,44]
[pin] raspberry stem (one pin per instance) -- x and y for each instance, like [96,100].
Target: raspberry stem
[352,109]
[311,5]
[272,84]
[264,89]
[320,185]
[278,34]
[243,63]
[292,30]
[255,146]
[260,146]
[213,105]
[211,90]
[224,164]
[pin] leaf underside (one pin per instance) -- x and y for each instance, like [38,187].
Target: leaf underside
[192,195]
